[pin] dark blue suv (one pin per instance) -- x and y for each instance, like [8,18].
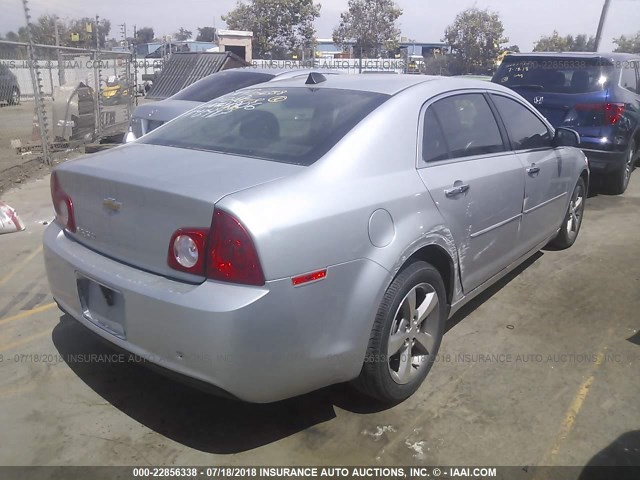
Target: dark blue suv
[596,94]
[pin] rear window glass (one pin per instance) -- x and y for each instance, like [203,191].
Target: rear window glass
[555,74]
[219,84]
[291,125]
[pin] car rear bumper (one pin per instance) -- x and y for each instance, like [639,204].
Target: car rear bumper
[259,344]
[602,162]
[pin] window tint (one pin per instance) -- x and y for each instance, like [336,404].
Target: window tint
[434,146]
[629,77]
[291,125]
[221,83]
[555,74]
[468,125]
[525,129]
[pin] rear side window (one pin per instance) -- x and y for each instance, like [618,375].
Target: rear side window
[221,83]
[525,129]
[555,74]
[434,145]
[468,128]
[292,125]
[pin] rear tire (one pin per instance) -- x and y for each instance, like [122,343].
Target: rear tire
[573,219]
[406,334]
[619,181]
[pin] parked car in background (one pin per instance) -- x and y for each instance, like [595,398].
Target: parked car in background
[116,91]
[9,88]
[596,94]
[311,231]
[149,116]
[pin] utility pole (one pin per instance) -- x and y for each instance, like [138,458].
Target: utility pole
[97,32]
[61,80]
[603,17]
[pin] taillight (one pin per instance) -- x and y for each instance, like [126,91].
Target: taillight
[608,113]
[224,252]
[232,254]
[188,250]
[62,204]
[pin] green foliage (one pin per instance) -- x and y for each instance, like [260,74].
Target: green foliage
[558,43]
[476,38]
[279,27]
[145,35]
[182,34]
[628,44]
[206,34]
[43,32]
[371,24]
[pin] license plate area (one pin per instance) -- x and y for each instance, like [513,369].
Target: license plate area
[102,305]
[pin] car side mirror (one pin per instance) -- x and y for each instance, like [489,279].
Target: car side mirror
[565,137]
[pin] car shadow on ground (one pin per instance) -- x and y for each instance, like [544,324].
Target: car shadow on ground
[473,304]
[198,419]
[624,451]
[186,414]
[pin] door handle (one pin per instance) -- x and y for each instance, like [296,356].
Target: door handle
[533,169]
[457,190]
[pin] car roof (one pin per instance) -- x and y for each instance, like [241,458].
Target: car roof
[390,84]
[279,73]
[608,55]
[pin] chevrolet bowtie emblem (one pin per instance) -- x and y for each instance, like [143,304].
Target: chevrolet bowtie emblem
[112,204]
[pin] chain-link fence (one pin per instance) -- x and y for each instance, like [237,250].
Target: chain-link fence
[56,99]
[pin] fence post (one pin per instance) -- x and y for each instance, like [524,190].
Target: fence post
[36,80]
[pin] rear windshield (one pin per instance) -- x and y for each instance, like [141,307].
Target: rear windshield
[221,83]
[555,74]
[292,125]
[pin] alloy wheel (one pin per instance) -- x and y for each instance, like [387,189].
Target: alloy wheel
[576,209]
[414,333]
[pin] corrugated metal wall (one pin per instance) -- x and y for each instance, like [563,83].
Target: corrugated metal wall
[183,69]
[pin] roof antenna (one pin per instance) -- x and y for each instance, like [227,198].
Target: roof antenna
[314,78]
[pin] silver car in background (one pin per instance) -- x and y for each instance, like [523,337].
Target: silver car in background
[311,231]
[149,116]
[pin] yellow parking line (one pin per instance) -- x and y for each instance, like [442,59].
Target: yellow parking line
[572,413]
[28,313]
[570,416]
[18,267]
[24,341]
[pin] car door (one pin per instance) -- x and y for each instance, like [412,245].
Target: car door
[475,181]
[546,176]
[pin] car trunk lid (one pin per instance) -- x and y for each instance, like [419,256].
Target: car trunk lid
[128,201]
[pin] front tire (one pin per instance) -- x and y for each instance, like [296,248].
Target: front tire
[406,334]
[573,219]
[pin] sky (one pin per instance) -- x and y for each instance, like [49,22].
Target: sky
[423,20]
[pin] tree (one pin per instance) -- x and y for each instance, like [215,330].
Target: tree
[625,44]
[144,35]
[557,43]
[12,37]
[513,48]
[476,38]
[278,27]
[182,34]
[206,34]
[371,25]
[84,28]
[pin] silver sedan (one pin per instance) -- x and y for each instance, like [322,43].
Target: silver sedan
[287,237]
